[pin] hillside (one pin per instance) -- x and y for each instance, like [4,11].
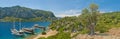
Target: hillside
[24,13]
[110,19]
[89,22]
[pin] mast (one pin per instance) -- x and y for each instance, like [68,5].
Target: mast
[20,24]
[0,16]
[14,24]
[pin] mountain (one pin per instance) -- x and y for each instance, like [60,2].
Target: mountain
[24,13]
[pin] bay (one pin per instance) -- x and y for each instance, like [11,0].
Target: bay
[5,32]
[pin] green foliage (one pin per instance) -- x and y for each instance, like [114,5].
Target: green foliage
[103,21]
[63,25]
[84,31]
[108,21]
[26,14]
[43,33]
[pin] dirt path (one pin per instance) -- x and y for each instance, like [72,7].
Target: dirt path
[49,33]
[112,34]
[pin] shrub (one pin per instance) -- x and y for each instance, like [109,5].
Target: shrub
[43,33]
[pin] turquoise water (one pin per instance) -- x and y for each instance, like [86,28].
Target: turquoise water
[5,27]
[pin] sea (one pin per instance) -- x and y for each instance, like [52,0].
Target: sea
[5,29]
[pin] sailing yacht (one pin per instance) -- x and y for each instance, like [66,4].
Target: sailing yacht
[16,32]
[19,32]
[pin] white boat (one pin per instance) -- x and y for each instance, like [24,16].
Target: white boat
[16,32]
[36,25]
[28,30]
[19,32]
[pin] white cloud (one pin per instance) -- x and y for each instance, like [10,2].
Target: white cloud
[72,12]
[64,15]
[69,13]
[102,11]
[105,11]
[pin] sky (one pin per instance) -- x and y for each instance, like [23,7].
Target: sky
[62,8]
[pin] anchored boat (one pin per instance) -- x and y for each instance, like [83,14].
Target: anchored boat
[28,30]
[16,32]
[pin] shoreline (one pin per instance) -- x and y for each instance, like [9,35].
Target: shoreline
[48,33]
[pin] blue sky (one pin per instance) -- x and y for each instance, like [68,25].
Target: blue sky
[63,8]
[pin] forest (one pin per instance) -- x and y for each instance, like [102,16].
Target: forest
[8,14]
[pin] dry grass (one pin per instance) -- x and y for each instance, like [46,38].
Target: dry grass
[49,33]
[112,34]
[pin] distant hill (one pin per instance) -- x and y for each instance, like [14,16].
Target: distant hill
[24,13]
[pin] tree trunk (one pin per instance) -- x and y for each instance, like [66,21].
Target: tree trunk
[91,28]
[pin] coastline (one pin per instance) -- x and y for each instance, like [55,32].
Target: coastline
[49,33]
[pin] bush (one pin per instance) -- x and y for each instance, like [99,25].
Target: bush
[43,33]
[84,31]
